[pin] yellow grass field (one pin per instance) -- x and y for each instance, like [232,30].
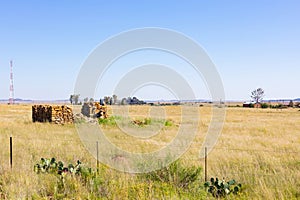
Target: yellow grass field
[259,148]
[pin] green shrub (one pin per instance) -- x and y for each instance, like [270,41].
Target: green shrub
[175,174]
[111,121]
[147,121]
[168,122]
[264,105]
[278,106]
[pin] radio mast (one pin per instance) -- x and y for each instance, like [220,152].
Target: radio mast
[11,87]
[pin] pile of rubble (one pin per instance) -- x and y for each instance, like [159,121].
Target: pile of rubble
[54,114]
[80,118]
[94,110]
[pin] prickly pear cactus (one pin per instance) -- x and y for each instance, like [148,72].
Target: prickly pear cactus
[46,165]
[51,166]
[221,188]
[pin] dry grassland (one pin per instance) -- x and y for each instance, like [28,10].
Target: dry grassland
[258,147]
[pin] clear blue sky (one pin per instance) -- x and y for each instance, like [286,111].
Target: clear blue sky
[252,43]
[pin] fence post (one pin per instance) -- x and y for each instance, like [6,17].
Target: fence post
[97,149]
[10,151]
[205,164]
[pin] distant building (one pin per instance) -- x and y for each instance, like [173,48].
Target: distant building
[251,105]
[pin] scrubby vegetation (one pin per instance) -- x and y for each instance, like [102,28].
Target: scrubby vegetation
[164,183]
[140,122]
[109,121]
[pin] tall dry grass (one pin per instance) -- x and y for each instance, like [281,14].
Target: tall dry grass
[258,147]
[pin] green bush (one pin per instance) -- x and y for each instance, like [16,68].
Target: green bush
[175,174]
[111,121]
[168,122]
[147,121]
[264,105]
[278,106]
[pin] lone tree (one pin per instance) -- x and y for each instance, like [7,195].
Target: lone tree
[257,95]
[74,98]
[107,99]
[115,99]
[71,99]
[124,101]
[291,104]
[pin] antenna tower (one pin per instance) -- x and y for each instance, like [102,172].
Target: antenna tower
[11,87]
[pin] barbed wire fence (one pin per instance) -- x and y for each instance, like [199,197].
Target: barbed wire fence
[21,153]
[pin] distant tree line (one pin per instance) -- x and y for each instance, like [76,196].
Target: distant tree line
[257,96]
[108,100]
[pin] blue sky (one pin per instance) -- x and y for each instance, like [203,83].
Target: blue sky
[252,43]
